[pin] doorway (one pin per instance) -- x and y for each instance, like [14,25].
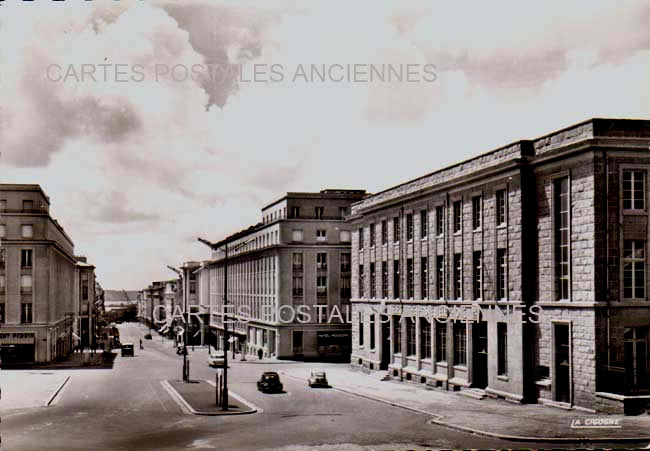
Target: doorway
[385,342]
[479,355]
[562,339]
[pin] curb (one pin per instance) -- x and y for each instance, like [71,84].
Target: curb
[437,420]
[51,402]
[188,409]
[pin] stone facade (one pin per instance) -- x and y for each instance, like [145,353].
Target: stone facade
[556,257]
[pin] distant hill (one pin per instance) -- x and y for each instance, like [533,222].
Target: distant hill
[118,298]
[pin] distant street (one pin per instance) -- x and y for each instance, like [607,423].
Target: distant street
[127,408]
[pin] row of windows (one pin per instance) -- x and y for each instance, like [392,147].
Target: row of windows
[321,261]
[459,336]
[25,313]
[477,219]
[28,205]
[457,293]
[26,231]
[298,236]
[319,213]
[25,258]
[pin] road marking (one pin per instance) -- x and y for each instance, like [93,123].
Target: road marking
[157,397]
[185,407]
[56,396]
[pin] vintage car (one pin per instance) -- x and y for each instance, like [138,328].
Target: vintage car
[318,379]
[217,359]
[269,382]
[127,349]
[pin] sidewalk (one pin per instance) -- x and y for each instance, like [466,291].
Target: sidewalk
[488,417]
[25,389]
[74,362]
[198,397]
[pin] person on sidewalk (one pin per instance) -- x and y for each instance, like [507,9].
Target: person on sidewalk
[260,354]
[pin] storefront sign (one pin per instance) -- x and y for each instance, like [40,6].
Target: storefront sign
[17,338]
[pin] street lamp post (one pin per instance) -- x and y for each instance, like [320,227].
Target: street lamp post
[186,372]
[225,316]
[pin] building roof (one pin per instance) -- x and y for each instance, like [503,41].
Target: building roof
[329,193]
[586,130]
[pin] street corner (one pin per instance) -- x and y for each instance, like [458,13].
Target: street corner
[28,389]
[199,397]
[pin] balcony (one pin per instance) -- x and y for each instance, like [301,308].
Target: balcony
[321,291]
[297,268]
[321,266]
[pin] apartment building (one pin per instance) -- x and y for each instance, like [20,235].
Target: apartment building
[519,274]
[46,293]
[288,279]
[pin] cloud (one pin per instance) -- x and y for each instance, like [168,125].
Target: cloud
[153,164]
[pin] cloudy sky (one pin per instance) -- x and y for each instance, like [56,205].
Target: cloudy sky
[139,162]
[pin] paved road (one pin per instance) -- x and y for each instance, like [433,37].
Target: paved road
[126,408]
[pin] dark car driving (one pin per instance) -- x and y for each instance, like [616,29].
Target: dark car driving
[269,382]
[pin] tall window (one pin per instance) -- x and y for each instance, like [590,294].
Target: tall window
[502,267]
[26,313]
[3,230]
[410,336]
[361,282]
[373,281]
[321,261]
[321,235]
[478,275]
[458,276]
[409,227]
[634,190]
[345,287]
[343,212]
[440,276]
[502,349]
[634,269]
[458,218]
[477,202]
[396,231]
[321,285]
[384,232]
[425,339]
[26,258]
[636,358]
[424,277]
[297,285]
[384,280]
[361,329]
[319,212]
[2,313]
[424,224]
[441,342]
[562,231]
[372,331]
[409,279]
[397,334]
[297,261]
[294,213]
[345,262]
[2,258]
[440,220]
[361,238]
[460,343]
[501,207]
[396,277]
[372,235]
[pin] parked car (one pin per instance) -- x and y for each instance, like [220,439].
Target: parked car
[318,379]
[127,349]
[269,382]
[217,359]
[147,336]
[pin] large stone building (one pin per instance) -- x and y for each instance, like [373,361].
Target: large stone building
[46,293]
[288,279]
[520,273]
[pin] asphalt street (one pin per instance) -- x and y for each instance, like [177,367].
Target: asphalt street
[127,408]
